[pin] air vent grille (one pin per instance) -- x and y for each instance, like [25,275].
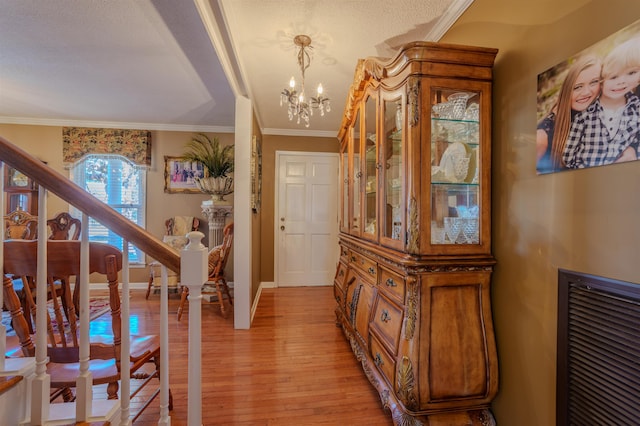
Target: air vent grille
[598,351]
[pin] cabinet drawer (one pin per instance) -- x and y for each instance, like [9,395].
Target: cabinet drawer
[368,266]
[344,254]
[381,358]
[392,283]
[387,322]
[341,275]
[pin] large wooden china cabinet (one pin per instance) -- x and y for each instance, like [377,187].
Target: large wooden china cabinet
[413,280]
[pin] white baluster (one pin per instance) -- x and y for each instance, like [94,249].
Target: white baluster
[3,329]
[42,382]
[165,419]
[193,267]
[125,365]
[84,382]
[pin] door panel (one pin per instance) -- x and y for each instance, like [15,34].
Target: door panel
[307,219]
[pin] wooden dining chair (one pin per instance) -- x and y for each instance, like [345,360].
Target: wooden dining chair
[216,284]
[63,260]
[20,225]
[64,227]
[177,228]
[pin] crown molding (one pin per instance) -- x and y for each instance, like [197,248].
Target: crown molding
[295,132]
[446,21]
[115,125]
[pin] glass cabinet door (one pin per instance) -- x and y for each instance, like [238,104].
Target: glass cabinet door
[455,166]
[344,187]
[356,175]
[370,171]
[392,225]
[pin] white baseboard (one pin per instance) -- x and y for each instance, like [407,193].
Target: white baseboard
[256,299]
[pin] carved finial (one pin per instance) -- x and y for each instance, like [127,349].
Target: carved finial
[195,238]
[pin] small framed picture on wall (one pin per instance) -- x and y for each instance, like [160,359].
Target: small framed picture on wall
[180,175]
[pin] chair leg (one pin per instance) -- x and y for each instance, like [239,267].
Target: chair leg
[112,390]
[226,291]
[223,311]
[183,298]
[150,284]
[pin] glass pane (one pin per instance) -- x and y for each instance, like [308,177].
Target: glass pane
[357,174]
[19,201]
[455,167]
[345,187]
[393,178]
[371,163]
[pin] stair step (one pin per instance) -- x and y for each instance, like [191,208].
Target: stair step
[103,413]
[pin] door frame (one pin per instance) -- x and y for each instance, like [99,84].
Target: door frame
[276,203]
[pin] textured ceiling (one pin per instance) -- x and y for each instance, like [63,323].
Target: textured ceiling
[168,64]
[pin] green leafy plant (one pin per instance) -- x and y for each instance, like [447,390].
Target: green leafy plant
[217,159]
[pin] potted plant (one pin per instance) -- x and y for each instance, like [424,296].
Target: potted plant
[217,161]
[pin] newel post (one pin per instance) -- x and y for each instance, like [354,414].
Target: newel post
[193,274]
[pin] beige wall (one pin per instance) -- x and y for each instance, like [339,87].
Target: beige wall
[583,220]
[271,144]
[46,142]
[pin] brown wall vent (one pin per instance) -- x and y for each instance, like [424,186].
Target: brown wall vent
[598,365]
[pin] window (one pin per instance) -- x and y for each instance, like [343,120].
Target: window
[119,183]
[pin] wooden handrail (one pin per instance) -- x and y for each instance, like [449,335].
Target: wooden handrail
[70,192]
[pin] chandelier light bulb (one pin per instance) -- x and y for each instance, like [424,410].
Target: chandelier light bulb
[292,82]
[320,89]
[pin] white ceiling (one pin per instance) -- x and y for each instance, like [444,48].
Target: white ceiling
[178,64]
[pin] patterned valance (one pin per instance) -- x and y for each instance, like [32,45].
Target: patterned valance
[77,142]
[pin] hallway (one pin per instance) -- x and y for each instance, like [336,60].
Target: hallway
[293,367]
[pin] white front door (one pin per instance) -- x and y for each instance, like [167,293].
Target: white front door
[306,220]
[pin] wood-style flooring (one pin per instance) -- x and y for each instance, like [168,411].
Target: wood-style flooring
[293,367]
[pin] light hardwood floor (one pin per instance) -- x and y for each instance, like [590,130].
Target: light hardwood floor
[293,367]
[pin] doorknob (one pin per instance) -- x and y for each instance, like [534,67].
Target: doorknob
[282,219]
[282,228]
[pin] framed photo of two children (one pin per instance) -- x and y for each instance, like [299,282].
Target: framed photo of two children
[589,106]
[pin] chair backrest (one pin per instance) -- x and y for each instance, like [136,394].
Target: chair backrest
[223,256]
[20,225]
[64,227]
[63,261]
[181,225]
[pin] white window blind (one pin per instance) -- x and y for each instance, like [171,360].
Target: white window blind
[119,183]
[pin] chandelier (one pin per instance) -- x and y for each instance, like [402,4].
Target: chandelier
[297,104]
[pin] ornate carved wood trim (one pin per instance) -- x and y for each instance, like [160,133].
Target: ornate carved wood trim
[413,243]
[454,268]
[406,383]
[412,311]
[413,114]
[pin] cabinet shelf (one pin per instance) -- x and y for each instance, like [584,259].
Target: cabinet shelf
[455,184]
[453,120]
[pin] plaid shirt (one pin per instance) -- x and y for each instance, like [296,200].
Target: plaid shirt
[590,143]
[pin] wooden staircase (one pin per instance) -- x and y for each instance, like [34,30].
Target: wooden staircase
[26,396]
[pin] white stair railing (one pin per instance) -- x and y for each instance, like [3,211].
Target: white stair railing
[85,410]
[193,261]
